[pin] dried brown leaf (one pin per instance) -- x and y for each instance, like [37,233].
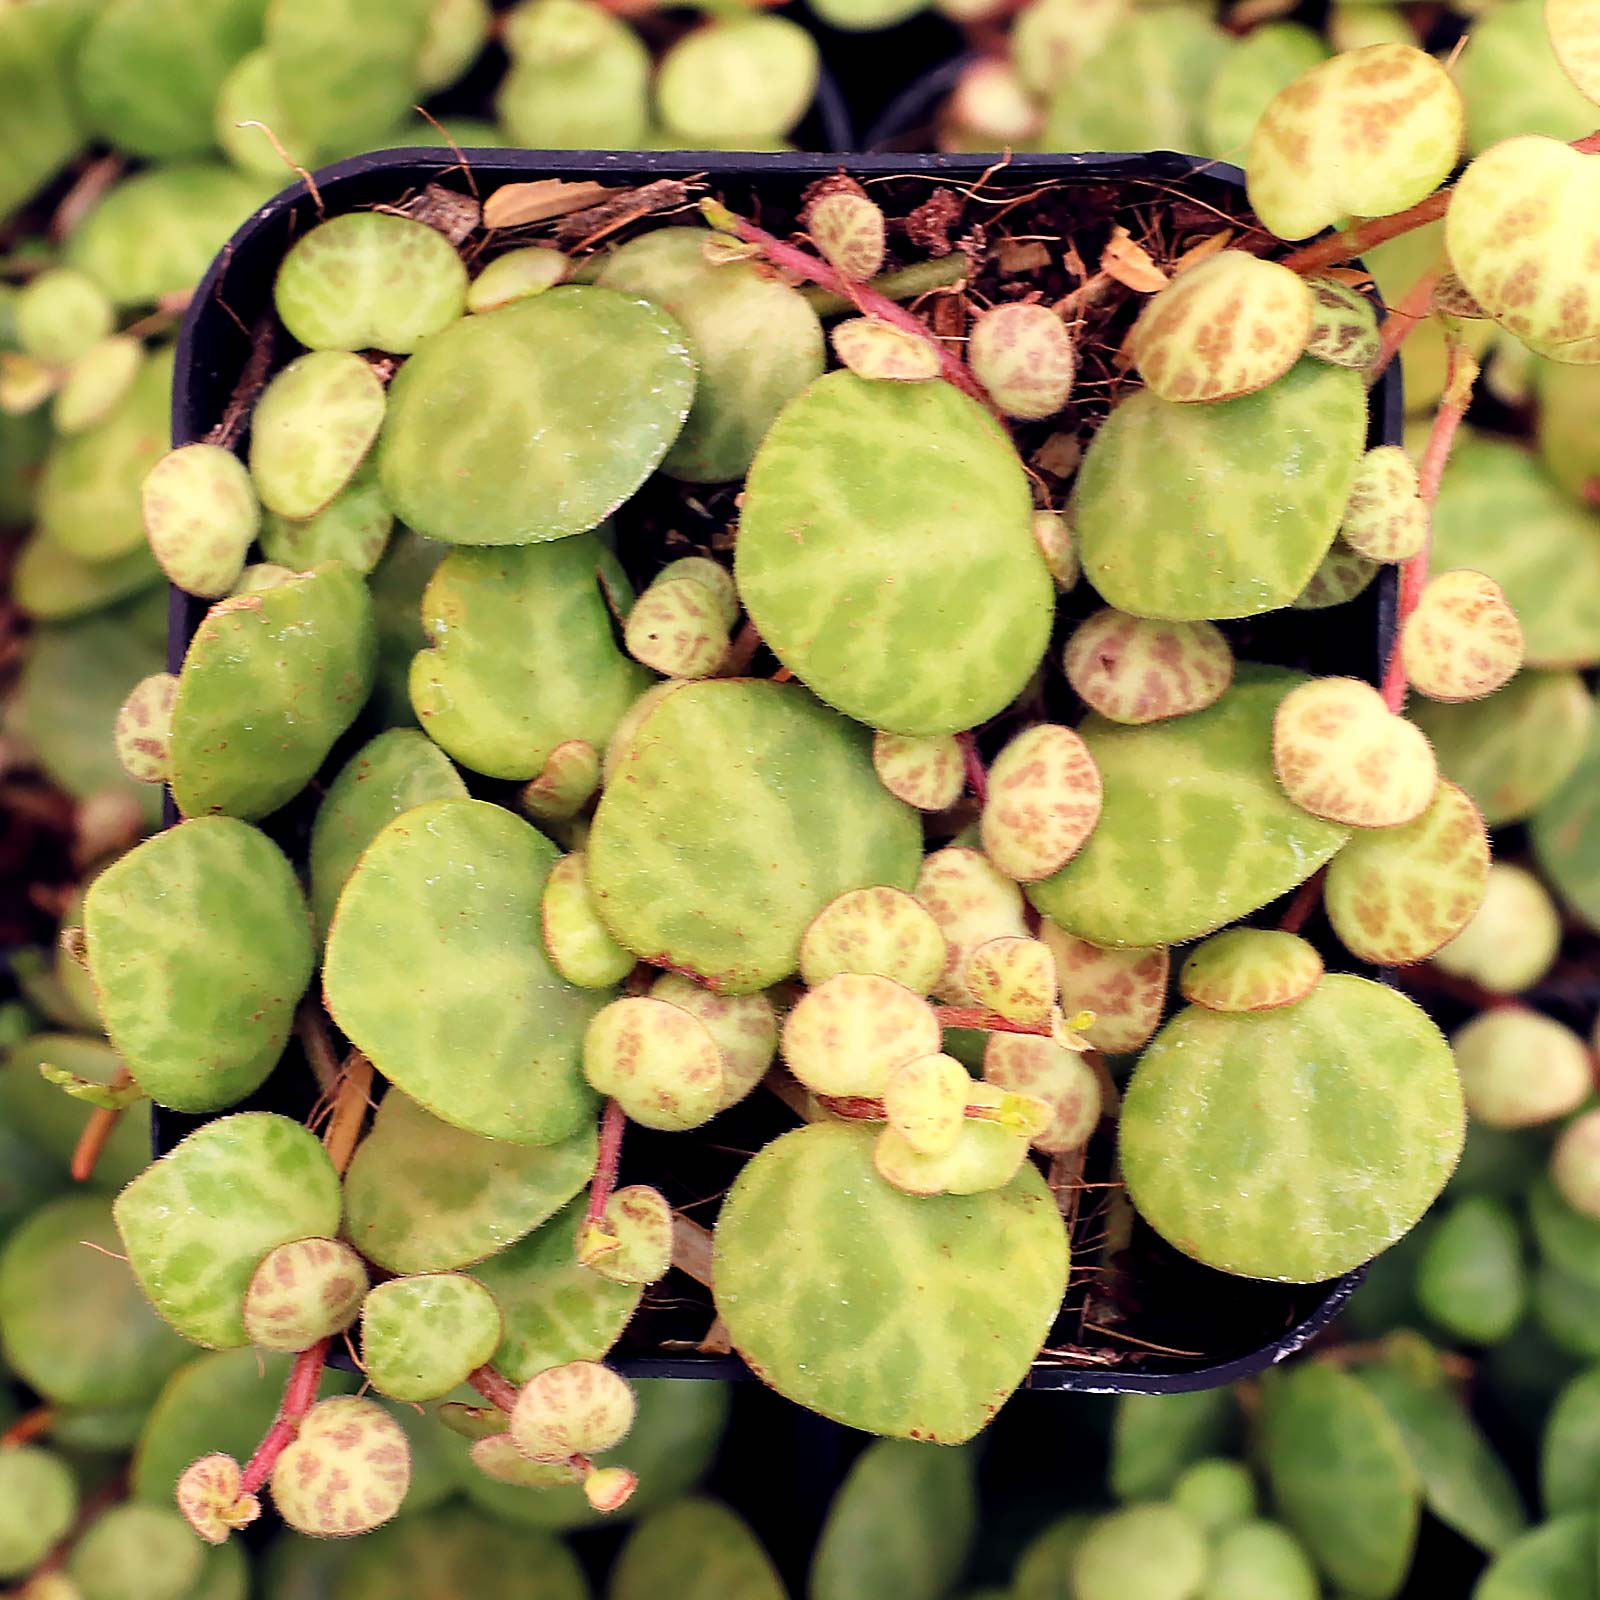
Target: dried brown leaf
[517,204]
[1130,264]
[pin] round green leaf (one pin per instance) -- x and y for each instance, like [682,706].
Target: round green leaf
[1566,835]
[1268,58]
[1554,1561]
[74,679]
[1395,895]
[1367,133]
[370,281]
[1195,830]
[456,1553]
[51,584]
[1464,1483]
[423,1196]
[1156,1552]
[223,1401]
[522,654]
[1470,1278]
[199,947]
[50,1123]
[1550,572]
[1154,1437]
[727,312]
[312,428]
[737,78]
[901,1524]
[197,1222]
[1260,1561]
[149,70]
[155,233]
[1512,750]
[881,626]
[73,1324]
[436,948]
[137,1552]
[1292,1144]
[269,682]
[555,1310]
[353,527]
[1567,1237]
[535,421]
[694,1550]
[1188,512]
[88,504]
[1341,1478]
[736,811]
[905,1315]
[1569,1471]
[346,71]
[40,1497]
[387,776]
[421,1336]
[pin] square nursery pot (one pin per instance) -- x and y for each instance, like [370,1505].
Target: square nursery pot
[1191,1327]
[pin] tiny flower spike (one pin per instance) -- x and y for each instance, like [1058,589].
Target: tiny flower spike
[659,1062]
[201,516]
[1044,801]
[1024,356]
[874,349]
[1463,641]
[849,230]
[143,731]
[302,1292]
[882,932]
[1015,978]
[633,1244]
[1224,328]
[846,1036]
[1340,753]
[1344,325]
[580,1409]
[924,772]
[1135,670]
[211,1500]
[346,1472]
[1384,518]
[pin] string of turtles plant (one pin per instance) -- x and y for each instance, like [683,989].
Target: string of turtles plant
[893,848]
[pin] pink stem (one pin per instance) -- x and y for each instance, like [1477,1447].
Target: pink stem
[1403,317]
[299,1395]
[612,1122]
[1414,573]
[495,1388]
[791,258]
[977,776]
[986,1021]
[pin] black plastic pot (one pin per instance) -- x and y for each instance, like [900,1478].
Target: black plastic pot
[1247,1325]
